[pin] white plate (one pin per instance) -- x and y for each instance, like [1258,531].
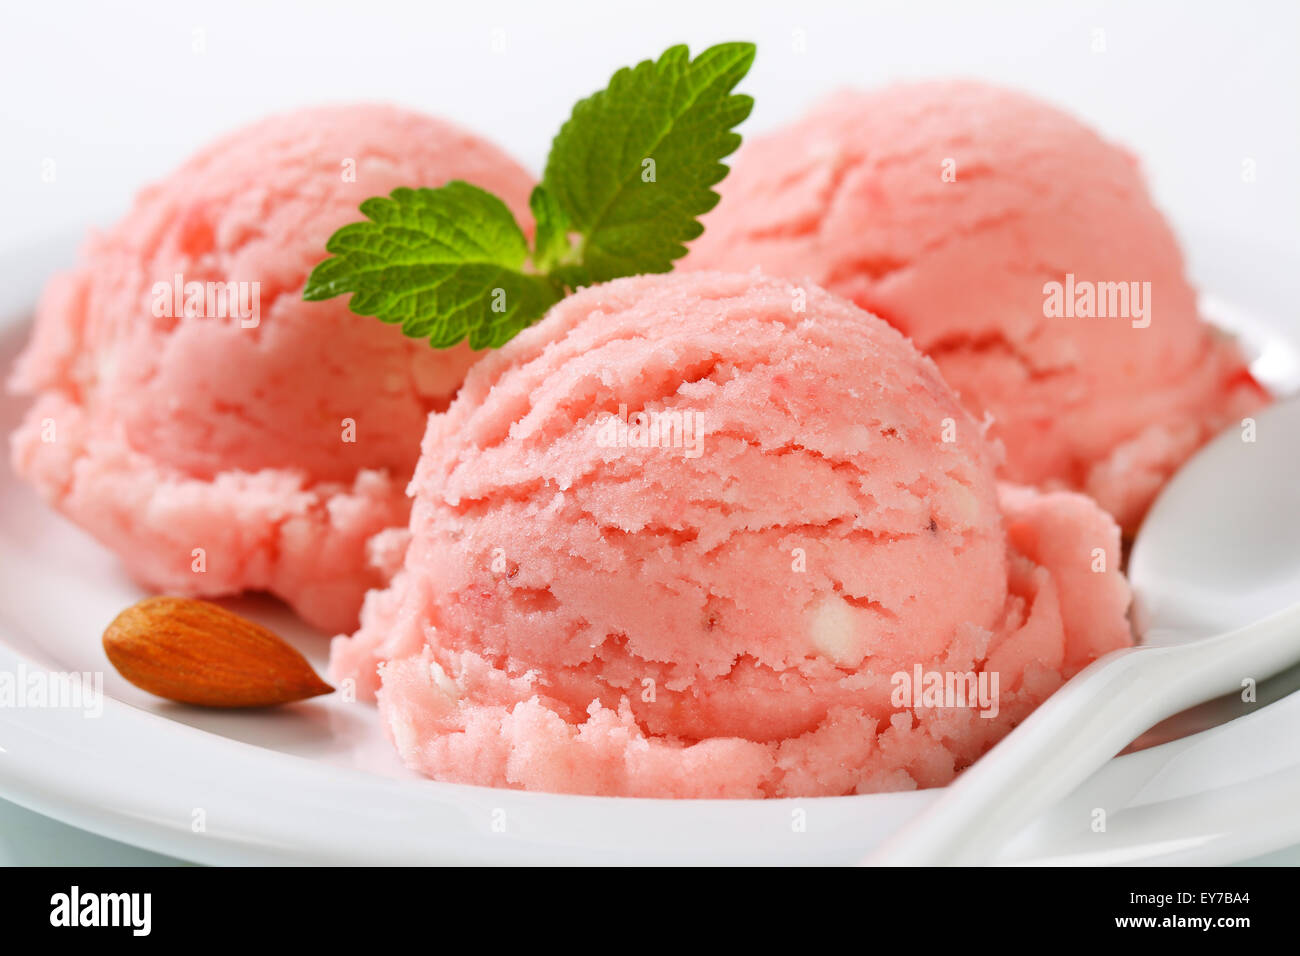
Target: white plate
[316,782]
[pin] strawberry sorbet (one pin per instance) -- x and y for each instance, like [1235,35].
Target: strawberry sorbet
[244,438]
[680,539]
[953,210]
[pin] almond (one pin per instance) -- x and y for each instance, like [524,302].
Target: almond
[198,653]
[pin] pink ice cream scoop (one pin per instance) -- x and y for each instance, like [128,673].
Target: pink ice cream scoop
[1016,248]
[682,538]
[195,414]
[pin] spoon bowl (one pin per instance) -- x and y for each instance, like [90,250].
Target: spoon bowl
[1216,576]
[1221,546]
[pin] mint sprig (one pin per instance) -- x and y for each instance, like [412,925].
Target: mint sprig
[635,164]
[445,263]
[628,176]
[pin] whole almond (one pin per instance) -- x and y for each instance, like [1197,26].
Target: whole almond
[198,653]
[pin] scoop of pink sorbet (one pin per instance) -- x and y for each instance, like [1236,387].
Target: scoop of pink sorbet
[216,450]
[719,606]
[946,208]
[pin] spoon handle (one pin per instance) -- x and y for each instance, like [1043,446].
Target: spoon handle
[1076,730]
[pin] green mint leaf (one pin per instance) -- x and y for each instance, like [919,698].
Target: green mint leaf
[628,177]
[447,264]
[634,165]
[552,235]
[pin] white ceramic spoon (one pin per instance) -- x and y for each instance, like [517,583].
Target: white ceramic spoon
[1216,578]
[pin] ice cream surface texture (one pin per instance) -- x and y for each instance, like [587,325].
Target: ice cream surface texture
[259,442]
[947,208]
[595,602]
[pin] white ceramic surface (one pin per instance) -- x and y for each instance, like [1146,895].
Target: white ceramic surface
[316,783]
[1208,552]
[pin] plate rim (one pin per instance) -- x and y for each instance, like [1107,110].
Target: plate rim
[143,822]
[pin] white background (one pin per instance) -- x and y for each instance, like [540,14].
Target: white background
[116,97]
